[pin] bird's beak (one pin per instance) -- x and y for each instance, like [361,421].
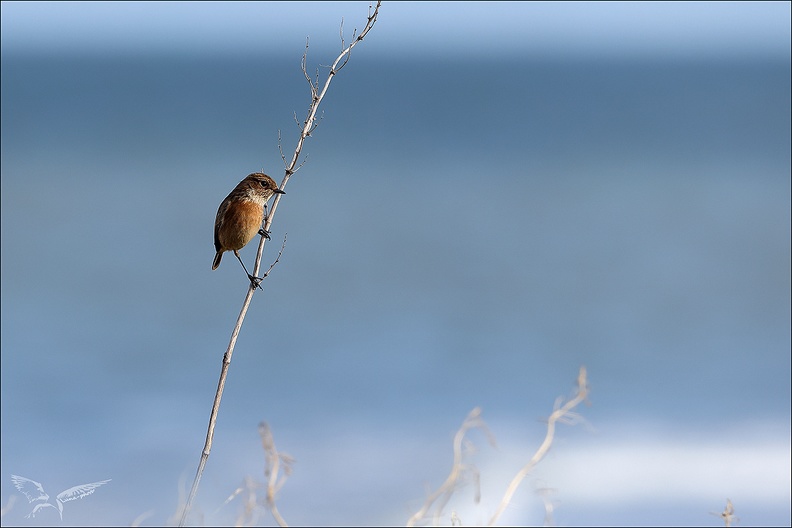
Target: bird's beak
[278,191]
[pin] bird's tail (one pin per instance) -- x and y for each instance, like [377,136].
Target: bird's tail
[216,262]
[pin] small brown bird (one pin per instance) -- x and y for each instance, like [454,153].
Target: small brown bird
[240,216]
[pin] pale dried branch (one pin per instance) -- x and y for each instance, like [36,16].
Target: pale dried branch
[234,494]
[341,31]
[728,514]
[304,67]
[277,259]
[442,495]
[291,167]
[372,18]
[729,519]
[560,413]
[249,514]
[310,122]
[272,470]
[280,148]
[277,467]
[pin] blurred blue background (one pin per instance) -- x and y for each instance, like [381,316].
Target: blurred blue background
[496,195]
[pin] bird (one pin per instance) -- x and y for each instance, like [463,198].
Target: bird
[35,492]
[240,216]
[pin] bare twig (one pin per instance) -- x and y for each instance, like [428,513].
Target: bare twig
[441,497]
[280,146]
[309,125]
[729,519]
[310,121]
[234,494]
[277,467]
[444,492]
[277,259]
[249,515]
[728,514]
[560,413]
[272,470]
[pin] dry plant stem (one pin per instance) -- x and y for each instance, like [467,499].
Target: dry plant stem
[273,470]
[216,405]
[308,126]
[563,414]
[473,420]
[728,514]
[310,123]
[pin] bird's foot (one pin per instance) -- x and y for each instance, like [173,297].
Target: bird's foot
[263,232]
[256,281]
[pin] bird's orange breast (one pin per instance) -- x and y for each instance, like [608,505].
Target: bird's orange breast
[240,223]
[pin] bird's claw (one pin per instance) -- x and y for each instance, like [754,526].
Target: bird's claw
[256,281]
[263,232]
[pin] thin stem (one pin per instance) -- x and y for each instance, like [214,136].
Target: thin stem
[216,404]
[448,487]
[559,414]
[310,121]
[309,125]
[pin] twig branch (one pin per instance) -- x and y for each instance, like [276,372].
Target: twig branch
[560,413]
[277,259]
[309,125]
[275,479]
[274,459]
[563,414]
[727,514]
[444,492]
[310,121]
